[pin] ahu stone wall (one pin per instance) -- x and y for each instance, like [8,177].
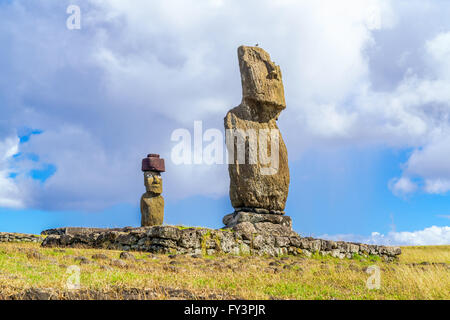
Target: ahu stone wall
[20,237]
[179,240]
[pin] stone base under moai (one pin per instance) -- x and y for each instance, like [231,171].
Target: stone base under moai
[259,223]
[237,240]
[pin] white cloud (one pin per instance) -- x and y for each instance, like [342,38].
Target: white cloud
[429,236]
[109,94]
[430,162]
[10,195]
[439,50]
[438,186]
[417,114]
[402,186]
[114,91]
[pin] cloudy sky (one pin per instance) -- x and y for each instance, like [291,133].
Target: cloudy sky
[367,121]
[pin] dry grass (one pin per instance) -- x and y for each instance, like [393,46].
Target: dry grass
[29,271]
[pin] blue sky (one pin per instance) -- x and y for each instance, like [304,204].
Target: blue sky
[366,125]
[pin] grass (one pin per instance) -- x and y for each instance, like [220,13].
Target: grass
[420,273]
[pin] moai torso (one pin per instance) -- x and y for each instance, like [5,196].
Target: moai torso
[255,184]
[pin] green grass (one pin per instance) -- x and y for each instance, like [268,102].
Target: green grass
[25,266]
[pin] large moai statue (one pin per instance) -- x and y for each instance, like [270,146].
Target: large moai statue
[259,183]
[152,203]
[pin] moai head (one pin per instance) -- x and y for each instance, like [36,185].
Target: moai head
[261,78]
[152,167]
[153,182]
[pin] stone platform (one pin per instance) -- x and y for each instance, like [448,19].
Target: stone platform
[246,237]
[19,237]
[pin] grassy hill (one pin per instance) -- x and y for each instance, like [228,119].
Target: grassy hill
[28,271]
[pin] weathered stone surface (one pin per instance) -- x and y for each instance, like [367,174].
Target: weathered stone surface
[153,183]
[247,230]
[153,163]
[164,232]
[118,263]
[245,238]
[269,228]
[235,218]
[19,237]
[82,260]
[258,210]
[54,241]
[190,238]
[152,203]
[328,245]
[254,182]
[99,256]
[152,210]
[261,78]
[82,230]
[126,256]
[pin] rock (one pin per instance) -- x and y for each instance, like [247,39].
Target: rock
[171,269]
[254,218]
[38,294]
[268,228]
[336,253]
[118,263]
[51,241]
[190,238]
[34,254]
[83,260]
[19,237]
[126,256]
[164,243]
[227,220]
[165,232]
[393,251]
[311,244]
[274,238]
[255,181]
[278,212]
[328,245]
[246,229]
[261,211]
[100,256]
[106,267]
[153,163]
[72,231]
[282,241]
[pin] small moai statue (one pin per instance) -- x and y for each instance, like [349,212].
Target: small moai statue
[152,203]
